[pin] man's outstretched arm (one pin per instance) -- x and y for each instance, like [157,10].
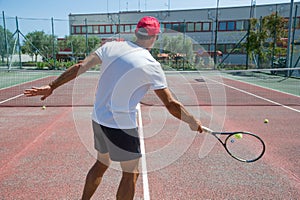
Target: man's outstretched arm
[177,109]
[65,77]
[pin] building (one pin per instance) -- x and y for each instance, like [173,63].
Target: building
[197,24]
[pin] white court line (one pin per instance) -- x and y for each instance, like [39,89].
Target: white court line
[143,159]
[254,95]
[6,100]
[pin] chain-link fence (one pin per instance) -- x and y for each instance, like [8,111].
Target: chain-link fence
[47,43]
[266,42]
[32,42]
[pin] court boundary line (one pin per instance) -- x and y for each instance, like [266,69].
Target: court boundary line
[143,151]
[254,95]
[11,98]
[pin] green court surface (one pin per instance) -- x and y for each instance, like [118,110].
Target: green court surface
[12,78]
[281,83]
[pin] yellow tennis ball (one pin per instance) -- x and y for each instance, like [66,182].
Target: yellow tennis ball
[44,108]
[238,136]
[266,121]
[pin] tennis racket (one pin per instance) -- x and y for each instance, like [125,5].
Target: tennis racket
[243,146]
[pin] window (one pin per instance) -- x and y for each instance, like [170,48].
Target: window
[227,26]
[222,26]
[168,26]
[246,24]
[114,28]
[206,26]
[121,28]
[162,27]
[222,48]
[108,29]
[230,26]
[187,26]
[101,29]
[298,23]
[90,29]
[205,47]
[239,49]
[133,27]
[83,29]
[175,27]
[190,27]
[77,29]
[127,29]
[240,26]
[198,26]
[286,23]
[227,48]
[73,30]
[182,27]
[96,29]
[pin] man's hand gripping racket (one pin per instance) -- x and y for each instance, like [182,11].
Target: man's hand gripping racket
[241,145]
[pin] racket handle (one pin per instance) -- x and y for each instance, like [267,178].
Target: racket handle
[206,129]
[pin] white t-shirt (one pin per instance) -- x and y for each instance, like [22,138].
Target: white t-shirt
[127,73]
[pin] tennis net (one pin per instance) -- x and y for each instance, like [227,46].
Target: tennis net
[79,92]
[193,88]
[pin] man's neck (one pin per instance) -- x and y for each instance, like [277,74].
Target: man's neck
[144,44]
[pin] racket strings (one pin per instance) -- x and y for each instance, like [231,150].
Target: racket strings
[245,147]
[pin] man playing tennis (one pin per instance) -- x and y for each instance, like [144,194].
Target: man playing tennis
[128,71]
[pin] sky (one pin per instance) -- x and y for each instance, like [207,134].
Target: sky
[33,14]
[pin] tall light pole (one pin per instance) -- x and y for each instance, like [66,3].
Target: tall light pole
[288,52]
[5,39]
[216,35]
[107,6]
[253,4]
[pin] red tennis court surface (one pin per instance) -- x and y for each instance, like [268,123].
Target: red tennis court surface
[46,154]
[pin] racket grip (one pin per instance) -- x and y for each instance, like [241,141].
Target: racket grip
[207,130]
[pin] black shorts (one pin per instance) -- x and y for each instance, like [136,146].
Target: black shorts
[121,144]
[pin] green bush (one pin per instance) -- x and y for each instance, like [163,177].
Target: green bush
[40,65]
[51,64]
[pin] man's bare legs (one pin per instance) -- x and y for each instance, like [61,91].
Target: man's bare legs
[130,175]
[94,177]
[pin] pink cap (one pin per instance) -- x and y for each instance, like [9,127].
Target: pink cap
[150,24]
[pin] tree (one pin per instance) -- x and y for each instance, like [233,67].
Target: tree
[177,44]
[261,32]
[10,42]
[38,43]
[255,41]
[77,43]
[93,43]
[274,26]
[178,47]
[275,29]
